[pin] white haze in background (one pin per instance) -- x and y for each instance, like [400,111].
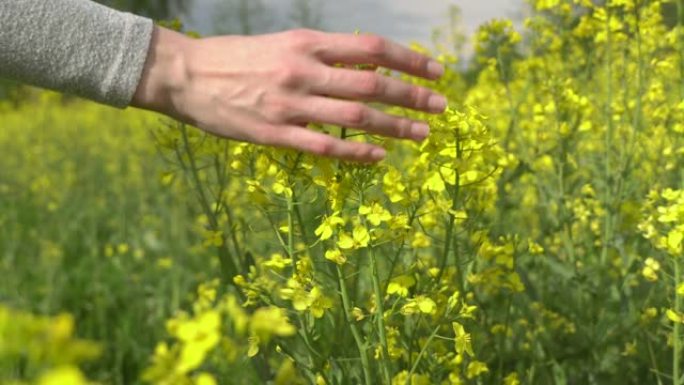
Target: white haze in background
[401,20]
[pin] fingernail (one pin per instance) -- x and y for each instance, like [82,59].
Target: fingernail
[419,131]
[435,69]
[378,153]
[437,103]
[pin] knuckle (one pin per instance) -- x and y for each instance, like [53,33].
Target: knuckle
[370,85]
[322,147]
[300,38]
[260,135]
[277,108]
[375,46]
[326,79]
[278,112]
[356,116]
[402,128]
[364,152]
[418,62]
[418,96]
[289,75]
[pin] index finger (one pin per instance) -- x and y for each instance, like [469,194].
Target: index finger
[339,48]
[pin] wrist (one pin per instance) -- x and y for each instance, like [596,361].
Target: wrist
[164,73]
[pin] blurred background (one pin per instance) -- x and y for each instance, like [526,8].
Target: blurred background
[402,20]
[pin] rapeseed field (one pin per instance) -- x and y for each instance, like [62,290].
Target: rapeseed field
[535,237]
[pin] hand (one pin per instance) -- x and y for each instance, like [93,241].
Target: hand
[265,89]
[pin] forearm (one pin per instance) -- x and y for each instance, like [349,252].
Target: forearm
[74,46]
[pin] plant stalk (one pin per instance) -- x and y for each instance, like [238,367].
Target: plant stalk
[346,304]
[676,332]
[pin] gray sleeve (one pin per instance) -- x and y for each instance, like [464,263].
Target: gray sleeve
[74,46]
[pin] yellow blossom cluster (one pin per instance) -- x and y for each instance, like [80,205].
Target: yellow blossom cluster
[42,350]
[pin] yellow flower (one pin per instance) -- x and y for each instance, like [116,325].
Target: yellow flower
[287,374]
[534,248]
[296,293]
[122,248]
[650,270]
[462,340]
[213,238]
[165,263]
[674,242]
[375,213]
[426,305]
[512,379]
[280,187]
[420,304]
[358,314]
[630,349]
[400,285]
[392,185]
[674,316]
[320,380]
[253,346]
[326,229]
[453,299]
[270,321]
[335,255]
[435,182]
[277,262]
[198,337]
[319,303]
[205,379]
[63,375]
[420,240]
[402,378]
[359,239]
[476,368]
[546,4]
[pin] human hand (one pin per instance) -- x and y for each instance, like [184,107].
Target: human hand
[265,89]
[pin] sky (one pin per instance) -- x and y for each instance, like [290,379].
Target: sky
[400,20]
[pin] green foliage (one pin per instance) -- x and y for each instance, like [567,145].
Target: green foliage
[41,348]
[91,224]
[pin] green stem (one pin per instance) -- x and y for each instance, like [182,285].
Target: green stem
[448,240]
[302,226]
[228,267]
[676,337]
[380,316]
[607,196]
[220,166]
[509,96]
[399,249]
[680,35]
[233,236]
[346,304]
[379,306]
[502,338]
[450,226]
[292,253]
[290,232]
[654,362]
[420,355]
